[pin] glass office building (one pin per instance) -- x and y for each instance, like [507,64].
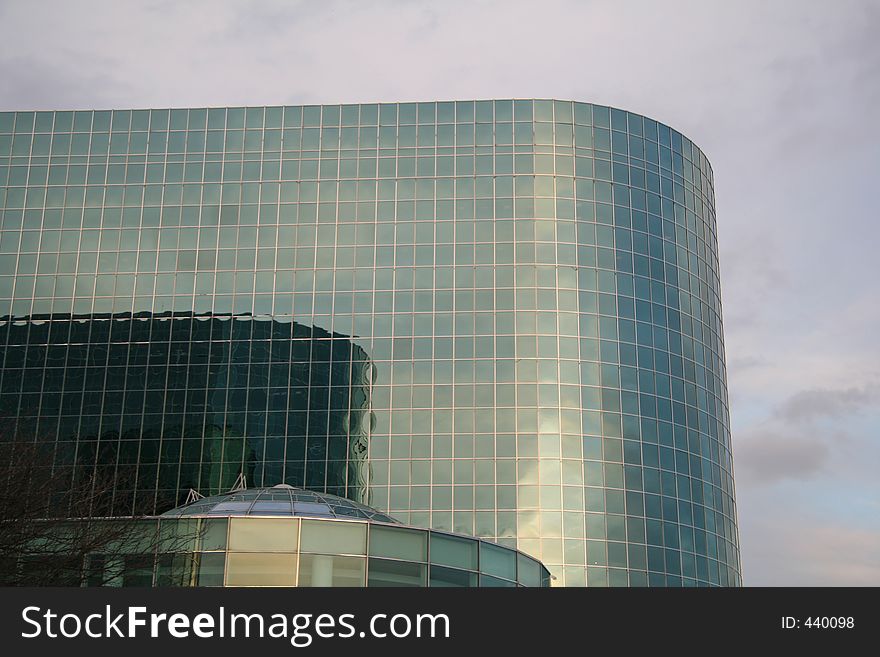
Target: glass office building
[496,318]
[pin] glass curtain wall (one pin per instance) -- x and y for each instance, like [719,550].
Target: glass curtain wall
[534,282]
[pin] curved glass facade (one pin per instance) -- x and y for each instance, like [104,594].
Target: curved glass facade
[278,536]
[353,546]
[534,283]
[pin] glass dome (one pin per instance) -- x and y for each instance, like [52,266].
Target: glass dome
[280,500]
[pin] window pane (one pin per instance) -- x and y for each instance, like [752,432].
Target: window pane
[175,569]
[385,572]
[449,577]
[214,534]
[497,561]
[333,536]
[261,569]
[529,571]
[263,534]
[399,543]
[486,581]
[453,551]
[211,566]
[326,570]
[138,570]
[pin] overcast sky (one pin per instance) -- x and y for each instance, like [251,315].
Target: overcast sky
[782,96]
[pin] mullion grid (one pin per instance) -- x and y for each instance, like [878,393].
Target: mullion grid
[705,182]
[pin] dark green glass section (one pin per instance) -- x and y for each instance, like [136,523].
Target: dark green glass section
[191,402]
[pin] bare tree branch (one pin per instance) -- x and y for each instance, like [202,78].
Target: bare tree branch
[59,524]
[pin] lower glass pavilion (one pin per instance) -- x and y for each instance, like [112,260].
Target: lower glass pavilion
[285,536]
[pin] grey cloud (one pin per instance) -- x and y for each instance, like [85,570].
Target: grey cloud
[276,19]
[64,85]
[751,262]
[755,260]
[818,403]
[843,65]
[745,363]
[768,456]
[796,440]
